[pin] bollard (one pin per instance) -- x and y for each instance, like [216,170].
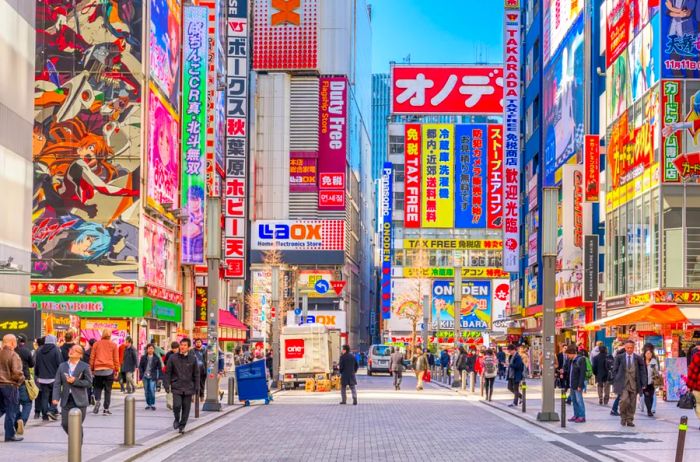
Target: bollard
[231,390]
[129,420]
[563,408]
[680,445]
[472,381]
[75,435]
[463,385]
[523,390]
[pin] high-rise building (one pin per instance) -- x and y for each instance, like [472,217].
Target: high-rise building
[381,97]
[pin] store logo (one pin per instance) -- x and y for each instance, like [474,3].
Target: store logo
[286,12]
[295,232]
[294,348]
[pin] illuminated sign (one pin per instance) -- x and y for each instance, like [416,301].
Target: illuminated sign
[298,235]
[672,142]
[453,244]
[412,155]
[448,272]
[387,237]
[437,176]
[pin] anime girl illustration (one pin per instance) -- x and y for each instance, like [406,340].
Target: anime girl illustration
[162,152]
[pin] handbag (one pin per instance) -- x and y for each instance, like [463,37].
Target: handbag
[32,389]
[658,380]
[687,401]
[426,376]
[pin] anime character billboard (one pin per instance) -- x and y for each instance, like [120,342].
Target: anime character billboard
[86,145]
[164,47]
[680,49]
[163,149]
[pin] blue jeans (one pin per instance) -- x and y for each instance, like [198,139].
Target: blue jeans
[9,405]
[579,405]
[149,387]
[616,404]
[25,404]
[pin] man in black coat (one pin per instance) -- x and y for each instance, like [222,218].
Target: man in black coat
[25,404]
[47,359]
[182,380]
[348,368]
[129,364]
[601,371]
[629,377]
[577,380]
[516,367]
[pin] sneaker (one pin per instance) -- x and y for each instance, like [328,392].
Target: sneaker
[106,412]
[37,415]
[96,409]
[573,419]
[182,430]
[13,439]
[511,405]
[153,408]
[615,413]
[20,427]
[148,408]
[580,420]
[53,416]
[342,402]
[354,402]
[630,424]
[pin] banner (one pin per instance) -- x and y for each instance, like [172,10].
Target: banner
[163,152]
[437,176]
[309,235]
[474,312]
[412,177]
[302,173]
[194,112]
[449,272]
[494,200]
[387,227]
[592,168]
[511,129]
[680,55]
[617,28]
[164,49]
[590,268]
[500,289]
[453,244]
[332,142]
[471,176]
[159,256]
[672,109]
[446,89]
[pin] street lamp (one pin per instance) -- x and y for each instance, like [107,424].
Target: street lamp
[275,289]
[213,225]
[550,200]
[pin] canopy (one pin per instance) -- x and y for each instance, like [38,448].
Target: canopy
[226,319]
[656,313]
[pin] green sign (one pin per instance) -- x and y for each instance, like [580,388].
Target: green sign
[165,311]
[92,307]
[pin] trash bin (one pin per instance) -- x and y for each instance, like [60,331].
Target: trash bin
[252,382]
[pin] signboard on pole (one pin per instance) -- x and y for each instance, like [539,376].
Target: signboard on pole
[590,268]
[412,175]
[387,237]
[591,168]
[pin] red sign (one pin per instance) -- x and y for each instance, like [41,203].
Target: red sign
[578,209]
[302,172]
[495,177]
[338,286]
[332,141]
[467,89]
[592,168]
[273,312]
[412,154]
[81,288]
[617,28]
[688,164]
[294,348]
[331,200]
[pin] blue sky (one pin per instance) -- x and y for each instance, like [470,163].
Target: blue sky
[436,31]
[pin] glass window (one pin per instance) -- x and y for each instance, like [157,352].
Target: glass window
[692,221]
[655,238]
[477,258]
[398,200]
[399,257]
[673,236]
[645,267]
[398,173]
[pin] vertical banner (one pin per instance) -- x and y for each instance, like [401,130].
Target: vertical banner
[590,268]
[332,142]
[437,177]
[671,109]
[412,176]
[471,177]
[591,168]
[194,91]
[236,140]
[495,177]
[511,129]
[387,227]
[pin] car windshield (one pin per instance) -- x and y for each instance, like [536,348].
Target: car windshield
[381,350]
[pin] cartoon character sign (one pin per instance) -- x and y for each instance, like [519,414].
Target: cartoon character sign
[86,144]
[164,46]
[163,148]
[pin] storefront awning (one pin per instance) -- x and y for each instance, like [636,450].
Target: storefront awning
[692,313]
[656,313]
[226,319]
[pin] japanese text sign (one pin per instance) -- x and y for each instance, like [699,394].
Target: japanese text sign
[332,140]
[495,177]
[471,177]
[592,168]
[387,238]
[680,44]
[437,176]
[302,173]
[673,142]
[412,177]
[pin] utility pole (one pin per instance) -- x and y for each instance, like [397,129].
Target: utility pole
[426,310]
[275,324]
[458,299]
[213,223]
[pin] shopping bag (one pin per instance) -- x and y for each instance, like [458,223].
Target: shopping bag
[426,376]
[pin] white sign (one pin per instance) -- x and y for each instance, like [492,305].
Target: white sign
[298,235]
[329,318]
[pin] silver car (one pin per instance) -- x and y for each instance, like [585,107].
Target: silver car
[378,359]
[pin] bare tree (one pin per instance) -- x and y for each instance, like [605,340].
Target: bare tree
[411,300]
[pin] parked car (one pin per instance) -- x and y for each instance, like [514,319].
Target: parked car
[378,359]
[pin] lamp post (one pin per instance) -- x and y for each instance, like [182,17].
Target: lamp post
[275,288]
[458,298]
[213,223]
[550,199]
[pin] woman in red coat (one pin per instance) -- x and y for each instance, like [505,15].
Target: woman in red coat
[693,380]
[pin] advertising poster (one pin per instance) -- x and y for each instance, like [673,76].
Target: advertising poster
[471,175]
[164,48]
[687,129]
[501,301]
[644,60]
[675,373]
[617,28]
[387,236]
[437,176]
[680,52]
[618,87]
[412,176]
[591,168]
[332,142]
[406,302]
[494,200]
[302,172]
[673,134]
[194,91]
[563,103]
[86,145]
[163,149]
[159,262]
[475,312]
[559,16]
[298,235]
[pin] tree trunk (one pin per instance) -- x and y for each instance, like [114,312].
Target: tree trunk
[413,336]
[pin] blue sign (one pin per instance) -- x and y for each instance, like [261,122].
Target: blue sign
[322,286]
[297,312]
[387,236]
[471,176]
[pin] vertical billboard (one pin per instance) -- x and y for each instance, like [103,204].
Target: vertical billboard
[412,175]
[194,96]
[511,132]
[563,91]
[471,175]
[617,26]
[387,228]
[86,145]
[437,176]
[163,152]
[159,259]
[332,142]
[285,35]
[475,310]
[495,177]
[559,15]
[236,139]
[591,167]
[164,48]
[680,53]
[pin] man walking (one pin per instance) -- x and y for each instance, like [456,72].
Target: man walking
[129,362]
[396,367]
[25,404]
[516,367]
[73,379]
[150,370]
[48,358]
[104,363]
[445,364]
[577,378]
[630,377]
[348,368]
[182,379]
[200,353]
[11,377]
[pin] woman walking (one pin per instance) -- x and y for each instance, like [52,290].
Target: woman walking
[150,368]
[490,371]
[653,380]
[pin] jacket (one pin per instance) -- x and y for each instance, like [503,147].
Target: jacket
[600,368]
[471,362]
[693,380]
[25,354]
[182,374]
[516,368]
[86,356]
[104,355]
[156,367]
[65,348]
[421,363]
[577,372]
[10,368]
[202,357]
[461,362]
[348,368]
[129,359]
[47,360]
[620,370]
[396,362]
[79,389]
[444,359]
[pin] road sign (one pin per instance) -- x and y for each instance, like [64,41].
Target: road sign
[297,312]
[338,286]
[322,286]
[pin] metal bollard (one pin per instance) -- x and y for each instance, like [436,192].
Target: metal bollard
[75,435]
[680,445]
[472,381]
[563,408]
[523,390]
[231,390]
[129,421]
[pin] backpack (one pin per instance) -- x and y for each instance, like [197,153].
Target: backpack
[490,368]
[589,368]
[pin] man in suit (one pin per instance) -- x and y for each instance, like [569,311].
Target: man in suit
[396,367]
[630,376]
[348,368]
[516,367]
[73,379]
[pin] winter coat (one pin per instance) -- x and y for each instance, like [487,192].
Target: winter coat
[600,368]
[65,348]
[25,354]
[348,368]
[516,367]
[577,372]
[444,359]
[47,360]
[129,359]
[104,355]
[156,367]
[182,374]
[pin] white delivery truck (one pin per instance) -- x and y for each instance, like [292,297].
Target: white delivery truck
[307,351]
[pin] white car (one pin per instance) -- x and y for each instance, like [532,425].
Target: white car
[378,359]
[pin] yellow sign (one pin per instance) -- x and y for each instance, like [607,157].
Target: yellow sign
[620,196]
[453,244]
[448,272]
[101,324]
[438,206]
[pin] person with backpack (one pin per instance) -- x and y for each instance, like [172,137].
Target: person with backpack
[577,379]
[489,365]
[602,370]
[460,365]
[693,379]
